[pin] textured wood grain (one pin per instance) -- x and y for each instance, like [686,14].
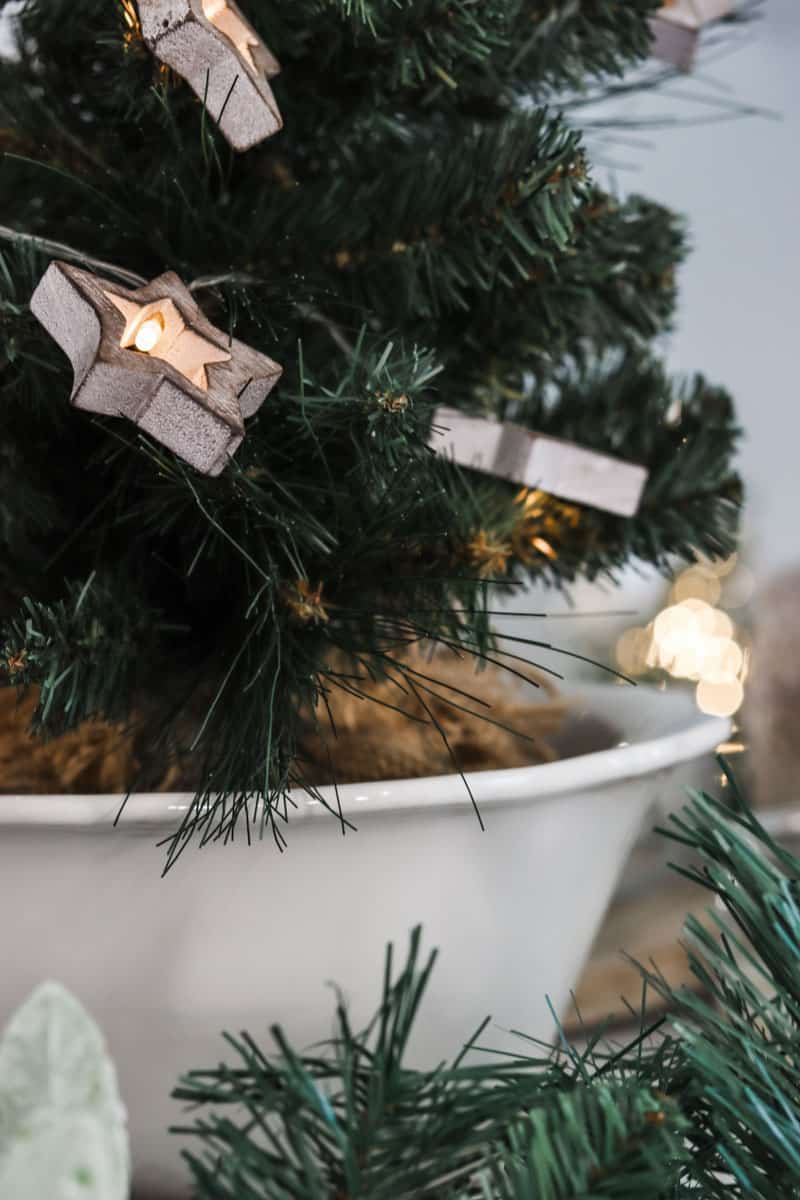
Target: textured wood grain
[205,427]
[772,706]
[694,13]
[227,71]
[674,44]
[561,468]
[677,28]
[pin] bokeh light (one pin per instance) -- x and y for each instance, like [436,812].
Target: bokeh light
[697,583]
[719,699]
[694,640]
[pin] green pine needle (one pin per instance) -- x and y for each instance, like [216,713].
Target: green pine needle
[706,1105]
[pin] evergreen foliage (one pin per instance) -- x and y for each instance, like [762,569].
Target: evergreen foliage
[425,230]
[701,1103]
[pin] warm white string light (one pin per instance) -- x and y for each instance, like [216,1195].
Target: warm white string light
[692,639]
[149,334]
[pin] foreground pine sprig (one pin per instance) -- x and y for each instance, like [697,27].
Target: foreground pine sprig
[703,1103]
[353,1120]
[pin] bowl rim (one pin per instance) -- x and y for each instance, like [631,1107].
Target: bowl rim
[697,735]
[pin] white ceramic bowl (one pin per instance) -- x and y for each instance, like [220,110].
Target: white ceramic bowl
[241,936]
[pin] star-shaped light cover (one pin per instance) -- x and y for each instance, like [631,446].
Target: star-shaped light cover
[230,21]
[151,355]
[159,329]
[211,45]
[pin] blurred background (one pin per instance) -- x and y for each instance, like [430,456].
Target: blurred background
[737,181]
[717,145]
[736,176]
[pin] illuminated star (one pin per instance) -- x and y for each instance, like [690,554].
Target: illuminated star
[158,329]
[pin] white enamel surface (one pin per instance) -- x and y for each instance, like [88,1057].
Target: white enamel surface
[240,936]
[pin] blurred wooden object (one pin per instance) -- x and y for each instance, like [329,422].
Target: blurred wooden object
[772,712]
[677,27]
[211,45]
[646,927]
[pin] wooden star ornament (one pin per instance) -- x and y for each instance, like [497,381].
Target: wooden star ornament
[553,465]
[677,27]
[211,45]
[151,355]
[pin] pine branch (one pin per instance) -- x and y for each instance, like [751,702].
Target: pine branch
[612,286]
[705,1104]
[353,1120]
[464,212]
[597,1140]
[565,44]
[460,51]
[741,1035]
[84,651]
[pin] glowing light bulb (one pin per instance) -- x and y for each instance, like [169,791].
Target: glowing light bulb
[148,334]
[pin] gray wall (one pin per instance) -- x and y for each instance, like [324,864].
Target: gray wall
[739,313]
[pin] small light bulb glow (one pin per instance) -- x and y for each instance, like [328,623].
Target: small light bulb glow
[148,334]
[696,583]
[719,699]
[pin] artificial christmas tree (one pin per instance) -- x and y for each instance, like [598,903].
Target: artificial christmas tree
[424,231]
